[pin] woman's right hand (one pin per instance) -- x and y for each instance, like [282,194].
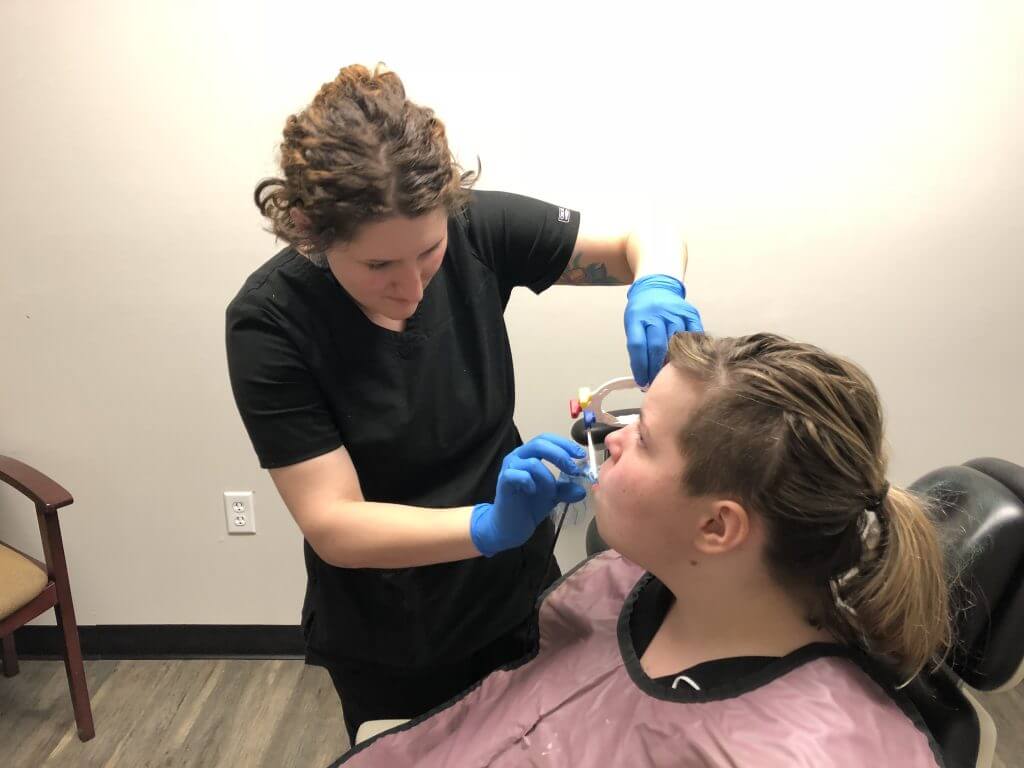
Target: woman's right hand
[526,493]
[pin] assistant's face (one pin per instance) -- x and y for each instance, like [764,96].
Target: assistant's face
[387,266]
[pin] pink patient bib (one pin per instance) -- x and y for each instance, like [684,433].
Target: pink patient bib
[583,701]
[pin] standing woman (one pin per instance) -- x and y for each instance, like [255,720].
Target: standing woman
[371,366]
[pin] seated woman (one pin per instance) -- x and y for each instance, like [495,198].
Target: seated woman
[766,592]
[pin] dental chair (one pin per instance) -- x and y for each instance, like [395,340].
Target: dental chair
[981,507]
[981,511]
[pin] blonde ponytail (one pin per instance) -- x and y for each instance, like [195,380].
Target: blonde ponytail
[899,593]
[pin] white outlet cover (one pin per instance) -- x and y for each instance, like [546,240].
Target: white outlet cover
[239,512]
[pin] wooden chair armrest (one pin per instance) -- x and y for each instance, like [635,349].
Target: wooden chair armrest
[44,492]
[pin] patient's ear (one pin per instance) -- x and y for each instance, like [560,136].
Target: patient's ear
[724,526]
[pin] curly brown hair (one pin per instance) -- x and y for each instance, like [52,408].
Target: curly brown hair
[360,152]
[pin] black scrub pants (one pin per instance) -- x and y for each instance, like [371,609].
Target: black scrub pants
[376,692]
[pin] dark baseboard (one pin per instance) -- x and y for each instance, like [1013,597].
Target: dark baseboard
[167,641]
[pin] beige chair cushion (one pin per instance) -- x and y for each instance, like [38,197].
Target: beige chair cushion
[20,580]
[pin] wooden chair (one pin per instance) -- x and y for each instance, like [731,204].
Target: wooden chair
[28,588]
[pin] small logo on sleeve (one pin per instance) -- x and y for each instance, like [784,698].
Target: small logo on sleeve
[563,214]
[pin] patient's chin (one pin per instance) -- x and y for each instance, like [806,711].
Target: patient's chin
[608,534]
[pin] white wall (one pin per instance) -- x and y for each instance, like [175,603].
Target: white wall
[849,177]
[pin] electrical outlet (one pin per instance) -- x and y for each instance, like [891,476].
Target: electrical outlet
[239,512]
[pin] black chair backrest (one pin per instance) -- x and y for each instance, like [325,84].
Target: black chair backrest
[980,507]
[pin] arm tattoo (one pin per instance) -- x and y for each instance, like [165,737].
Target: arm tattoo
[590,274]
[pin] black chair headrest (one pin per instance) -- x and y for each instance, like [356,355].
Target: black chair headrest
[980,507]
[600,430]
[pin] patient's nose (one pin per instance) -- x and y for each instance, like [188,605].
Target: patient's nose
[613,444]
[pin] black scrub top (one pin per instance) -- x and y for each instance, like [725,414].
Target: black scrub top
[425,414]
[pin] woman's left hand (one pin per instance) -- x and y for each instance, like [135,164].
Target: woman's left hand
[656,308]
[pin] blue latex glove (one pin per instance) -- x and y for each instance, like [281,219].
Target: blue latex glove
[656,308]
[526,493]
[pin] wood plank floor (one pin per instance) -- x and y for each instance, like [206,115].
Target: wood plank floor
[226,714]
[213,713]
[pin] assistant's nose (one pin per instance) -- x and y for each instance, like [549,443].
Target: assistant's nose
[409,285]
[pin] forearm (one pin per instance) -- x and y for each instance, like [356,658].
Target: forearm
[364,534]
[656,247]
